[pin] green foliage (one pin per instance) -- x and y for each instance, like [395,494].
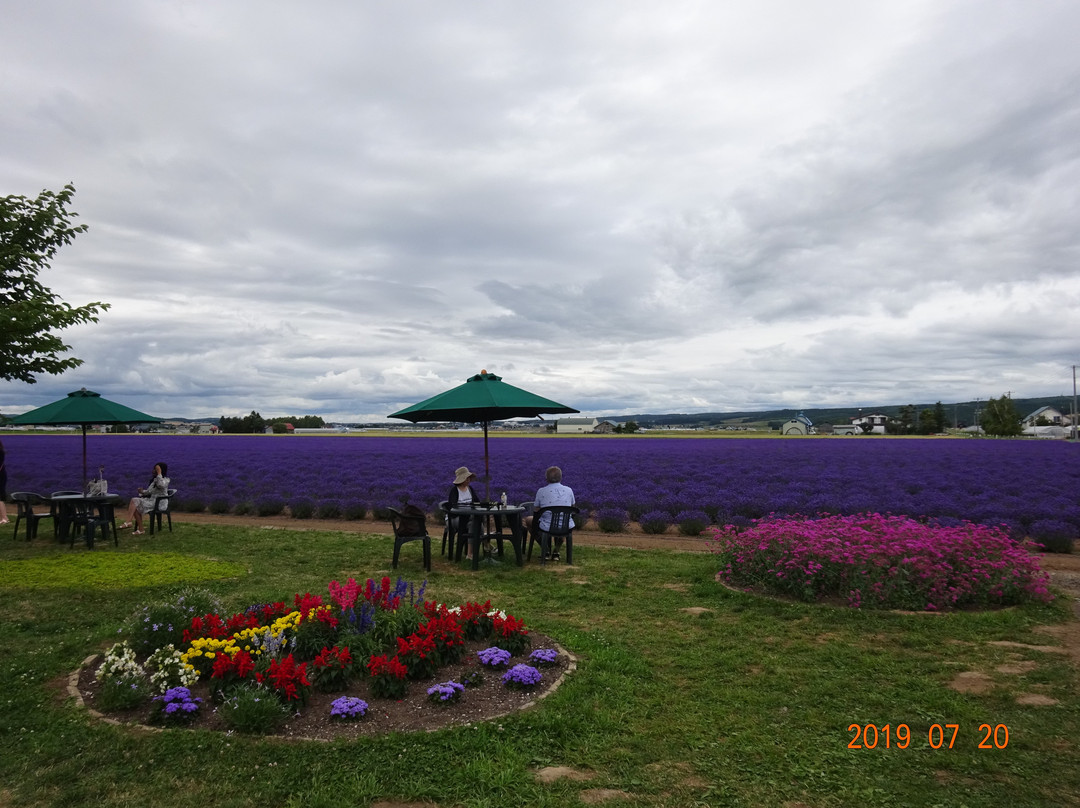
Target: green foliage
[1001,418]
[329,509]
[253,710]
[218,506]
[114,571]
[251,424]
[162,622]
[191,505]
[269,506]
[311,637]
[354,510]
[302,508]
[31,233]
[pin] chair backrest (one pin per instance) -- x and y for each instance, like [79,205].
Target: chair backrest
[562,521]
[162,503]
[409,521]
[528,506]
[28,499]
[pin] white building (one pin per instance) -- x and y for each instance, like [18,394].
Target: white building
[576,425]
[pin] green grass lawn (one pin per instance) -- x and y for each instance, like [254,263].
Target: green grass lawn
[745,703]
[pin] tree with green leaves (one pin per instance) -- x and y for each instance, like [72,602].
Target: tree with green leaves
[31,233]
[1000,417]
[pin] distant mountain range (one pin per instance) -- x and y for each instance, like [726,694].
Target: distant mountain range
[958,413]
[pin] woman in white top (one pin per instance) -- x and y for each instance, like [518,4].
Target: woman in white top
[144,503]
[461,494]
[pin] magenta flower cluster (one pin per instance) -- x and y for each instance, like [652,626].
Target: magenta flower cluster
[881,561]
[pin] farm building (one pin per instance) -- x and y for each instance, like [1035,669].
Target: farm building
[576,425]
[799,425]
[876,421]
[1050,415]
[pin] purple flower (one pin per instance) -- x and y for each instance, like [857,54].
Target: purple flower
[522,676]
[348,707]
[494,657]
[445,691]
[544,656]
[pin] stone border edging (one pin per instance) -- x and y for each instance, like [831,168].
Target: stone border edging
[80,702]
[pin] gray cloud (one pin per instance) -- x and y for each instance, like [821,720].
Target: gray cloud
[627,207]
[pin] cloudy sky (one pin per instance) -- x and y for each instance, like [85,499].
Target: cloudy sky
[342,208]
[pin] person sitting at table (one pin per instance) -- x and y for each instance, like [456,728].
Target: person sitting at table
[553,494]
[462,495]
[144,503]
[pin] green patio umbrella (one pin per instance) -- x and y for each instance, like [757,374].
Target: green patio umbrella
[483,398]
[83,408]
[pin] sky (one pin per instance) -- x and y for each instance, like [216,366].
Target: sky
[342,208]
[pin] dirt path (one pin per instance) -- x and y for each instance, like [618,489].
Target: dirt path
[634,540]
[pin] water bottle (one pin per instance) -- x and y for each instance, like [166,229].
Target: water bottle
[502,499]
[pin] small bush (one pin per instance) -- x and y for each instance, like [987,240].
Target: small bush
[381,512]
[253,710]
[1054,536]
[691,523]
[269,506]
[655,522]
[302,508]
[163,622]
[612,520]
[328,509]
[354,511]
[243,508]
[191,505]
[218,506]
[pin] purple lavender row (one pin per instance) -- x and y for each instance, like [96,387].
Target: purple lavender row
[1021,484]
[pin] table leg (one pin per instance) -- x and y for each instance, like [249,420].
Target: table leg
[476,524]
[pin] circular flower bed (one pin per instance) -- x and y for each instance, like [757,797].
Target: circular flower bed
[888,562]
[373,659]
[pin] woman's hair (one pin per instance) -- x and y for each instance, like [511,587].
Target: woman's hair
[164,469]
[553,475]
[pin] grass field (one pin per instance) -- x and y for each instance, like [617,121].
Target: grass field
[686,693]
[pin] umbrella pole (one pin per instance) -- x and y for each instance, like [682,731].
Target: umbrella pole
[487,467]
[84,478]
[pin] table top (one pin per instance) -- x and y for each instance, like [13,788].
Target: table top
[462,510]
[83,497]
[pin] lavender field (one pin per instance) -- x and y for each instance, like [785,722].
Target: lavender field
[1031,486]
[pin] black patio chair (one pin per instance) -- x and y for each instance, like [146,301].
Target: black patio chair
[162,508]
[561,526]
[55,510]
[449,533]
[410,527]
[24,504]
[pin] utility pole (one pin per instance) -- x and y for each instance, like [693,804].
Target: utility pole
[1074,402]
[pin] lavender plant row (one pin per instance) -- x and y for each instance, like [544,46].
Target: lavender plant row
[1018,483]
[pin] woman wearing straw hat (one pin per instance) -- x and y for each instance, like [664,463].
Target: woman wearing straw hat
[462,494]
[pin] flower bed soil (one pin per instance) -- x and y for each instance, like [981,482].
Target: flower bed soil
[489,700]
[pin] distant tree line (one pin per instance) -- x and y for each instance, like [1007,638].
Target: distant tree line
[253,423]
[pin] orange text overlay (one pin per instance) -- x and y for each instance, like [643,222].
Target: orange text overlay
[939,736]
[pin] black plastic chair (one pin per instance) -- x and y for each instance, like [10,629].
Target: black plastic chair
[162,508]
[24,504]
[75,515]
[449,533]
[561,527]
[407,528]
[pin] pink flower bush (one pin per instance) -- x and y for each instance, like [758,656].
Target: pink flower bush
[890,562]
